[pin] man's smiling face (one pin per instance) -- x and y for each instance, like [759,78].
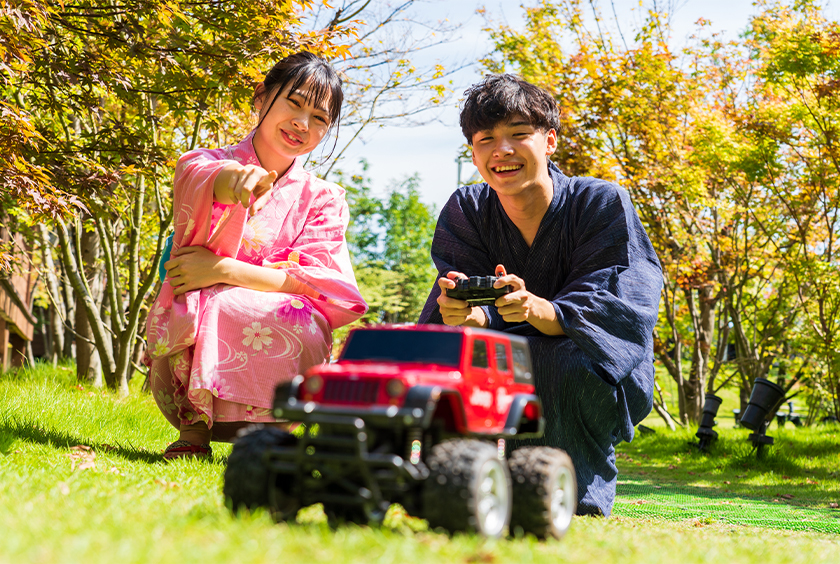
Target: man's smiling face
[511,157]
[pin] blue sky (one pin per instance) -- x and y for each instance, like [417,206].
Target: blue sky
[396,151]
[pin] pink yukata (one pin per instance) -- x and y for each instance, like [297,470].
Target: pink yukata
[216,354]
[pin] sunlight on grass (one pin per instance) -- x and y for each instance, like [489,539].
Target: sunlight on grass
[118,502]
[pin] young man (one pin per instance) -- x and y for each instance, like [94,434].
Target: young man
[586,281]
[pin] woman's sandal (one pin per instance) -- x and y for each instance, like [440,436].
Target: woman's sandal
[183,449]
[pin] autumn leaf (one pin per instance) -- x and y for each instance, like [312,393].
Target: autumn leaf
[482,556]
[82,454]
[167,485]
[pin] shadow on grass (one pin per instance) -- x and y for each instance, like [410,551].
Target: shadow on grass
[29,431]
[6,441]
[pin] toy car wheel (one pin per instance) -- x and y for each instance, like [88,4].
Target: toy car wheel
[544,491]
[249,483]
[468,488]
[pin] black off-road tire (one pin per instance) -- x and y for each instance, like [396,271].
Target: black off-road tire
[544,491]
[455,495]
[248,482]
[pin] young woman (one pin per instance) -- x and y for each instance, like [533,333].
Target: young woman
[259,274]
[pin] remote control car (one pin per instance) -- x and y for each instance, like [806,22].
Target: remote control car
[416,415]
[477,290]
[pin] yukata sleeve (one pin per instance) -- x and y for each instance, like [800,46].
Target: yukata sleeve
[192,205]
[195,175]
[320,260]
[609,302]
[175,325]
[458,246]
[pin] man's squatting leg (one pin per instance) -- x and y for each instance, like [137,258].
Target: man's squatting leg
[581,411]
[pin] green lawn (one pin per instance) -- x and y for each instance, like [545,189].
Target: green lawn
[115,501]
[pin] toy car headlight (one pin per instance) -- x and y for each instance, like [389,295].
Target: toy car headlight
[395,388]
[313,384]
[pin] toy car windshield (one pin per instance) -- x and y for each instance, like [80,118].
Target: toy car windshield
[430,347]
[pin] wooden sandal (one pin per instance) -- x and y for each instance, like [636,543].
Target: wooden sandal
[182,449]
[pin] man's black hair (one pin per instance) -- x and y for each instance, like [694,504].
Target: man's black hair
[500,97]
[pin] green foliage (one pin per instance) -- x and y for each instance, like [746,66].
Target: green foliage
[25,184]
[100,99]
[389,241]
[111,95]
[409,226]
[729,153]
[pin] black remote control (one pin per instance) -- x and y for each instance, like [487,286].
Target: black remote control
[477,290]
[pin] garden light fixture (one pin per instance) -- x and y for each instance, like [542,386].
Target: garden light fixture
[765,399]
[705,433]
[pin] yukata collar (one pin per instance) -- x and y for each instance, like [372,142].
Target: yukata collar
[560,182]
[246,147]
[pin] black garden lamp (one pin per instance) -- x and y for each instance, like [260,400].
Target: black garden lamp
[705,433]
[765,399]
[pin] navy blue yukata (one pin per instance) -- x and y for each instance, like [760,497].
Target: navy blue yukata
[593,260]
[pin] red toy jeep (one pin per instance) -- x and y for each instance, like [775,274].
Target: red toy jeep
[416,415]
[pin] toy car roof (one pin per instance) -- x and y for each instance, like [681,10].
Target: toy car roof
[442,329]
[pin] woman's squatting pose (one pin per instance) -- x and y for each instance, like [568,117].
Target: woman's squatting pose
[260,274]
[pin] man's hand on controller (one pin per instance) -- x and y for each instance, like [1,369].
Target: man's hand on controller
[458,312]
[521,305]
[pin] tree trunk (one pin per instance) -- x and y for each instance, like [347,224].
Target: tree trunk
[88,361]
[673,359]
[57,312]
[663,413]
[45,320]
[721,354]
[702,312]
[834,382]
[69,300]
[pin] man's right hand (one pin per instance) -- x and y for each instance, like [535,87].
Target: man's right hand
[458,312]
[236,183]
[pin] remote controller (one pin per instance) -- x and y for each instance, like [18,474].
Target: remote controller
[477,290]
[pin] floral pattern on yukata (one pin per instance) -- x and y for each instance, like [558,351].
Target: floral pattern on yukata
[257,336]
[256,236]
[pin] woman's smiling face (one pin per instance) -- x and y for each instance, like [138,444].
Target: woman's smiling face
[290,127]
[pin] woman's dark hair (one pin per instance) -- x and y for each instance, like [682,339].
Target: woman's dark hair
[500,97]
[301,68]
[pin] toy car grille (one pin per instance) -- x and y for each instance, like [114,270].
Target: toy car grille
[351,391]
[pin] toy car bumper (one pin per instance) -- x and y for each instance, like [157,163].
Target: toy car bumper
[378,416]
[417,410]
